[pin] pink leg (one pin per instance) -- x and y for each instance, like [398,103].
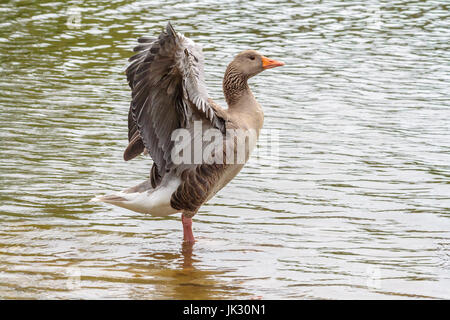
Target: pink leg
[188,236]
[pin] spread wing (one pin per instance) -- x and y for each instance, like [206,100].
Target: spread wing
[166,77]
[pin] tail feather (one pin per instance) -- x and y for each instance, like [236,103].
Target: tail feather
[123,195]
[143,198]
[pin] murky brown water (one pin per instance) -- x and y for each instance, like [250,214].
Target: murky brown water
[354,205]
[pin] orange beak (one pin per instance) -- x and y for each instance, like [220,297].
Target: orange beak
[270,63]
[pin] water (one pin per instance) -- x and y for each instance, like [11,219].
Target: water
[355,203]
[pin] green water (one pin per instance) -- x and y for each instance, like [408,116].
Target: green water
[355,203]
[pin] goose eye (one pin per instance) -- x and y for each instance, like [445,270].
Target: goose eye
[252,57]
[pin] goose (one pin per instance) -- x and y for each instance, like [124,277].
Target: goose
[196,146]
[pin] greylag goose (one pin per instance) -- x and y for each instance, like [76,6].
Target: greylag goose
[196,146]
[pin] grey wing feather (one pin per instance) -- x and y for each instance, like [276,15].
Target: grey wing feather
[167,81]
